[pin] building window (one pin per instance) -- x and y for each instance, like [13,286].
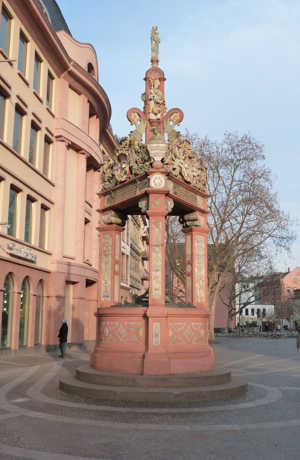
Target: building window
[258,313]
[47,156]
[50,84]
[252,311]
[7,311]
[90,68]
[12,211]
[247,312]
[43,227]
[33,144]
[28,237]
[37,72]
[264,312]
[5,30]
[87,238]
[24,309]
[17,135]
[74,107]
[22,53]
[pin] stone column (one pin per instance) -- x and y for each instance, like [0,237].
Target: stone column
[196,289]
[80,200]
[156,358]
[57,234]
[110,258]
[15,321]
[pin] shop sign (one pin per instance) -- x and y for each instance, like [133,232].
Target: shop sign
[21,252]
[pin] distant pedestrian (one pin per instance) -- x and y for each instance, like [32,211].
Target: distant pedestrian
[63,337]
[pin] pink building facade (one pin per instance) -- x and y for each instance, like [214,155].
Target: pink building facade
[53,134]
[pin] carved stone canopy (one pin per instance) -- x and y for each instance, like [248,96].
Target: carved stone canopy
[134,157]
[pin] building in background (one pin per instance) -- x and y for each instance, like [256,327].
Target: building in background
[134,255]
[269,297]
[54,129]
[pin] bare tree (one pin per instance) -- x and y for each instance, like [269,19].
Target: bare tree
[245,213]
[245,217]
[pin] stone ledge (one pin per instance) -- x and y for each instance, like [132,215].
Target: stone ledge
[233,389]
[90,375]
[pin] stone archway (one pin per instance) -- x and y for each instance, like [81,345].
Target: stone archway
[6,314]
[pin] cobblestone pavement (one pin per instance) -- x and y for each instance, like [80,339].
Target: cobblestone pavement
[37,421]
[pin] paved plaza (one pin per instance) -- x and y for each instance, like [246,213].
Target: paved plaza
[39,422]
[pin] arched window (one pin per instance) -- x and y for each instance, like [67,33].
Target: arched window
[24,308]
[38,313]
[90,68]
[7,311]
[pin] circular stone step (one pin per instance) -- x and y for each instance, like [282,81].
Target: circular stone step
[232,389]
[90,375]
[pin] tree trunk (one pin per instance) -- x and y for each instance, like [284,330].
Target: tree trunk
[211,332]
[229,321]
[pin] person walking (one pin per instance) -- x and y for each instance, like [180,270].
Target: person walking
[63,337]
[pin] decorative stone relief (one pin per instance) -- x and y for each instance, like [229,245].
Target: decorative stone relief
[157,181]
[113,218]
[137,118]
[199,247]
[143,205]
[106,266]
[116,287]
[156,259]
[142,185]
[128,332]
[156,100]
[189,288]
[200,201]
[192,219]
[117,247]
[156,202]
[156,333]
[182,161]
[122,194]
[188,247]
[184,194]
[183,333]
[131,159]
[169,204]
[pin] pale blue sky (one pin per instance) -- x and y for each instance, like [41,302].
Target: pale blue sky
[229,64]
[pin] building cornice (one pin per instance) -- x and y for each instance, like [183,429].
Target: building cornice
[45,35]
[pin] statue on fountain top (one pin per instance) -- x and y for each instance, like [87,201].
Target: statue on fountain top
[155,41]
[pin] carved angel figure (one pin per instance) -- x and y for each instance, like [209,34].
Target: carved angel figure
[156,100]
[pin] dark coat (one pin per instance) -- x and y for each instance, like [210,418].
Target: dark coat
[63,333]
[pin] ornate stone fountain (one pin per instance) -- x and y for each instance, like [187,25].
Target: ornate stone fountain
[136,344]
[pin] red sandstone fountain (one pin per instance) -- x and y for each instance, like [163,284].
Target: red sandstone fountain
[158,345]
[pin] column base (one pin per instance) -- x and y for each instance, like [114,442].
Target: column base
[156,364]
[127,341]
